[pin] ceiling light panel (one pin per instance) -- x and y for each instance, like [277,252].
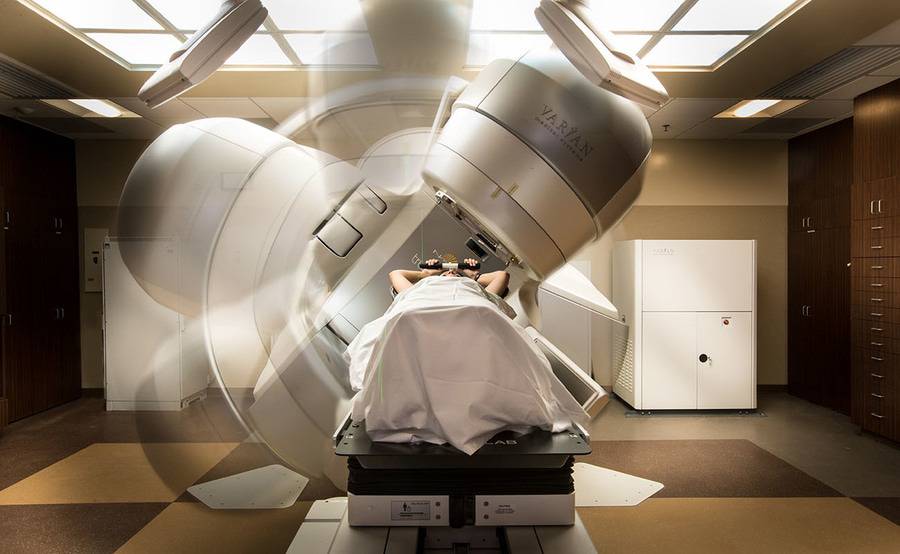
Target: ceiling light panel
[187,15]
[349,49]
[259,50]
[718,15]
[691,50]
[634,15]
[486,47]
[100,14]
[316,15]
[616,15]
[138,48]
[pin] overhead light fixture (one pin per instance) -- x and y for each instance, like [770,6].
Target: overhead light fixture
[90,107]
[760,107]
[99,107]
[753,107]
[715,15]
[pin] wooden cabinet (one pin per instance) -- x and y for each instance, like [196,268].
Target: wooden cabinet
[820,173]
[875,249]
[39,336]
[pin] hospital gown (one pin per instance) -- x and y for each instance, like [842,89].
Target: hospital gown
[445,364]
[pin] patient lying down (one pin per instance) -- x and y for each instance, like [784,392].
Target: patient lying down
[447,364]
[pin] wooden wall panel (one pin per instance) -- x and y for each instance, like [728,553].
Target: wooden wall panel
[819,183]
[40,260]
[875,248]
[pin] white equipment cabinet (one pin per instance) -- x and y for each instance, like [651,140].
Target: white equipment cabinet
[691,310]
[154,357]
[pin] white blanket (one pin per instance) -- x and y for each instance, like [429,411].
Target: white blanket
[445,365]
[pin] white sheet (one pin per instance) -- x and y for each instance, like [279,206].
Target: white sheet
[445,365]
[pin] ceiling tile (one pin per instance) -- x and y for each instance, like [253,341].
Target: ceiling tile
[821,108]
[280,108]
[790,126]
[171,110]
[16,108]
[720,128]
[887,35]
[226,107]
[855,88]
[681,114]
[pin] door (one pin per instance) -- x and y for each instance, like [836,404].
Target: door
[724,360]
[668,366]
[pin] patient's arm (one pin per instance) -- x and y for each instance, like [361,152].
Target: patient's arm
[495,282]
[402,279]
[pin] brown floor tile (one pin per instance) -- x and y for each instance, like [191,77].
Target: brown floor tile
[741,525]
[707,468]
[72,528]
[886,507]
[119,472]
[189,527]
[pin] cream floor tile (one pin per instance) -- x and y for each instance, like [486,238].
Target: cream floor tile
[119,472]
[742,525]
[189,527]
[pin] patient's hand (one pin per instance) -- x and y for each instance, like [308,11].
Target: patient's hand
[470,273]
[430,272]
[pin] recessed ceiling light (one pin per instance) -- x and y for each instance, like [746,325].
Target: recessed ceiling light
[100,14]
[187,15]
[753,107]
[259,50]
[316,15]
[716,15]
[100,107]
[139,48]
[90,108]
[761,107]
[485,47]
[333,48]
[691,50]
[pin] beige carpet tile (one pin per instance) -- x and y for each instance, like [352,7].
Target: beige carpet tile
[190,527]
[742,525]
[119,472]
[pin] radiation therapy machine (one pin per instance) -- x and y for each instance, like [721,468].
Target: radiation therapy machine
[285,236]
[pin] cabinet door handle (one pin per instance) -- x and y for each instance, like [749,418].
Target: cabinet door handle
[876,285]
[879,205]
[873,414]
[876,329]
[876,314]
[871,206]
[878,247]
[63,311]
[810,230]
[875,375]
[877,227]
[876,299]
[877,267]
[876,344]
[56,317]
[877,359]
[879,396]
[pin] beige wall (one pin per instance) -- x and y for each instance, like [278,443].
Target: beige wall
[102,166]
[717,190]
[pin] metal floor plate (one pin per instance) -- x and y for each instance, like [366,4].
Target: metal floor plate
[598,486]
[272,486]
